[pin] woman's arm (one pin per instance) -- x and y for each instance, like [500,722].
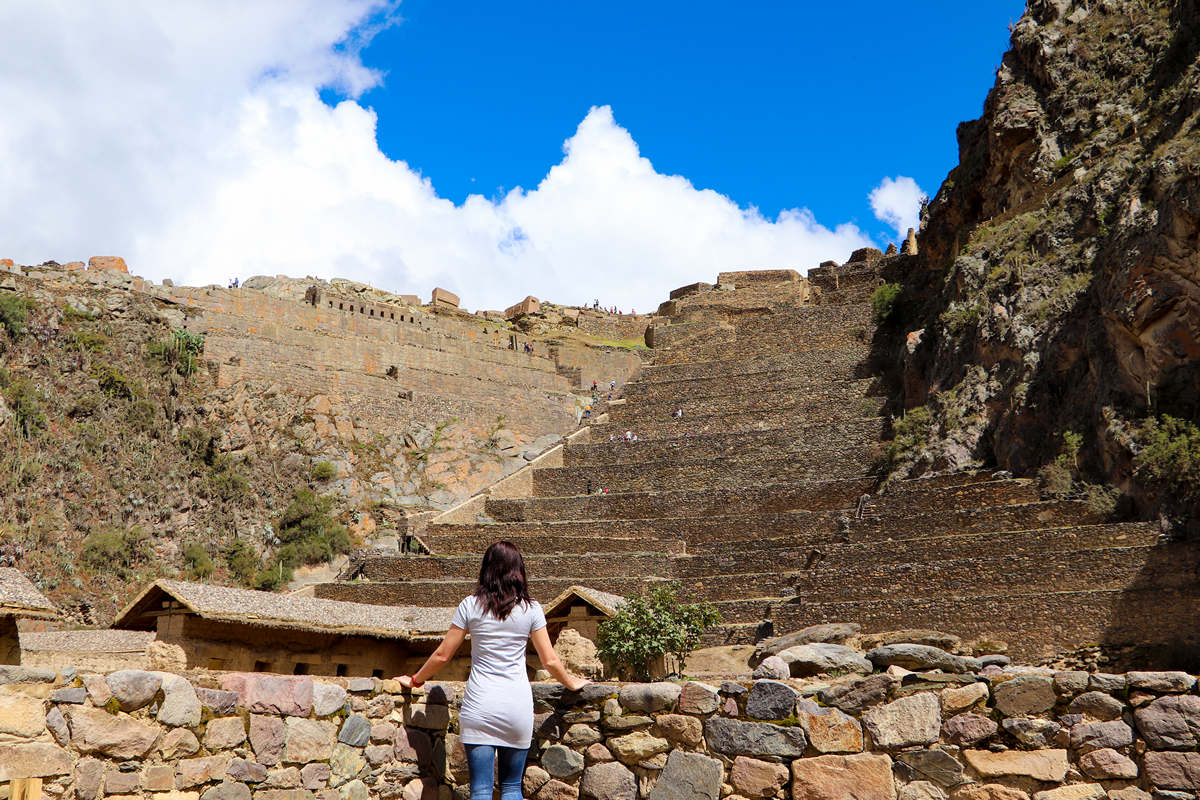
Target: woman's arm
[438,659]
[553,664]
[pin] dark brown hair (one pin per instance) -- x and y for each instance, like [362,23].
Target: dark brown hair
[502,580]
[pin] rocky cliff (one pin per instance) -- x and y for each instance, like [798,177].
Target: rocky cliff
[1052,319]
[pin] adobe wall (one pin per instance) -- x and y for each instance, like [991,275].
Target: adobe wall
[992,734]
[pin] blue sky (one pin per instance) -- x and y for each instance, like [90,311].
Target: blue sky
[654,144]
[773,104]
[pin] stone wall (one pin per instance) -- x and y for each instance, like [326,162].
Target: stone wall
[992,733]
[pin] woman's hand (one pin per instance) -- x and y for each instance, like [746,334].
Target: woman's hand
[575,683]
[407,681]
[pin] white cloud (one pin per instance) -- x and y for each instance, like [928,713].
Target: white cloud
[189,137]
[897,202]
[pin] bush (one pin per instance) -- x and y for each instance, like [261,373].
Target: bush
[28,407]
[198,561]
[115,551]
[308,535]
[883,302]
[179,351]
[274,577]
[650,626]
[90,341]
[113,382]
[242,562]
[14,313]
[199,445]
[909,434]
[226,483]
[144,417]
[324,471]
[1170,455]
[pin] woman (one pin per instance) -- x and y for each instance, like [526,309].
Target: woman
[496,718]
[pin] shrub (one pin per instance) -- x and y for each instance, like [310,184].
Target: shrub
[198,561]
[909,434]
[274,577]
[86,405]
[113,382]
[1102,500]
[650,626]
[89,340]
[72,314]
[14,313]
[308,535]
[179,351]
[226,483]
[324,471]
[1170,455]
[883,302]
[198,444]
[242,562]
[28,407]
[144,416]
[116,551]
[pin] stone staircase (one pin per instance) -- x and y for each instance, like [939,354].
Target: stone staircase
[763,498]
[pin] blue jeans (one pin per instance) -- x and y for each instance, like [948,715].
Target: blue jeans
[481,762]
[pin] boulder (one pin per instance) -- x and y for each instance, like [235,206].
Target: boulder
[770,700]
[578,653]
[943,641]
[1097,735]
[820,659]
[909,721]
[1107,764]
[679,729]
[1032,732]
[608,781]
[733,737]
[1025,694]
[753,778]
[829,730]
[827,633]
[921,657]
[308,740]
[935,765]
[1173,770]
[180,706]
[967,730]
[699,698]
[33,760]
[649,696]
[857,695]
[179,743]
[1042,765]
[94,730]
[108,264]
[21,716]
[961,698]
[772,668]
[1097,705]
[862,777]
[688,776]
[1171,722]
[327,699]
[562,762]
[133,688]
[638,746]
[920,790]
[1161,682]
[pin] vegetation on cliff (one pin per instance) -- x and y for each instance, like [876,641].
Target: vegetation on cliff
[1055,294]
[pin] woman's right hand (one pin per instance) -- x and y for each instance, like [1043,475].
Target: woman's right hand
[574,683]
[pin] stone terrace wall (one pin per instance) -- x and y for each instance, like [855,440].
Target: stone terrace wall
[991,734]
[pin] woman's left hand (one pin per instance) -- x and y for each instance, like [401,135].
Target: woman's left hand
[405,680]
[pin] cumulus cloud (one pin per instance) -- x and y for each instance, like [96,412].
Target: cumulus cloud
[897,202]
[190,138]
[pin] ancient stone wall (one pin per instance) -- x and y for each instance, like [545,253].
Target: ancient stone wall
[986,734]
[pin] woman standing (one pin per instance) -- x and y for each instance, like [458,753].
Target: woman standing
[496,718]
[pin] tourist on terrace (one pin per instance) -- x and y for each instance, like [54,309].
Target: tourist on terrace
[496,717]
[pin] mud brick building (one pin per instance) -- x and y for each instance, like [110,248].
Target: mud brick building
[19,599]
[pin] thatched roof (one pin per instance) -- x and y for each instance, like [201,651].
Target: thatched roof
[284,611]
[20,598]
[604,602]
[87,641]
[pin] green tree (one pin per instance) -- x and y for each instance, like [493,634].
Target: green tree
[883,302]
[28,407]
[120,552]
[14,313]
[1170,455]
[198,560]
[307,534]
[651,625]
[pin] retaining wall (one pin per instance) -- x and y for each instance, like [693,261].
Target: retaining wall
[999,735]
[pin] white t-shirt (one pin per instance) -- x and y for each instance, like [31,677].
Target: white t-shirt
[497,708]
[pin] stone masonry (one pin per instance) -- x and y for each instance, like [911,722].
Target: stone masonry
[763,498]
[994,734]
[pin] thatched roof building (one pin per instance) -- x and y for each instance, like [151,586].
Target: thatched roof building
[219,627]
[19,599]
[582,608]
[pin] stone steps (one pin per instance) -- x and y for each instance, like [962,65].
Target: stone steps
[657,423]
[540,539]
[1035,625]
[448,593]
[808,364]
[826,495]
[596,565]
[811,440]
[760,399]
[744,387]
[824,558]
[1103,569]
[717,473]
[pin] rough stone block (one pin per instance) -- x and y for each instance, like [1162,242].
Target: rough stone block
[1043,765]
[224,732]
[108,264]
[443,297]
[33,760]
[1025,694]
[733,737]
[909,721]
[308,740]
[649,696]
[862,777]
[21,716]
[829,730]
[1173,770]
[94,730]
[688,776]
[271,694]
[751,777]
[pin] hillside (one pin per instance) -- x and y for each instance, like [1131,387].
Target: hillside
[1050,321]
[237,434]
